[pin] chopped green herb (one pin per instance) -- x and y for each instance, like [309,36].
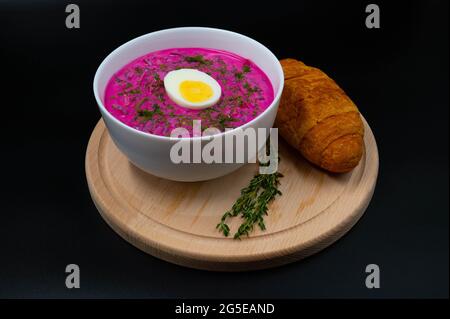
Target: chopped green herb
[250,89]
[156,109]
[146,115]
[156,77]
[197,59]
[222,70]
[246,68]
[207,110]
[239,100]
[223,120]
[139,104]
[132,91]
[158,82]
[235,100]
[239,75]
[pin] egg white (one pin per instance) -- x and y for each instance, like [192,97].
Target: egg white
[173,80]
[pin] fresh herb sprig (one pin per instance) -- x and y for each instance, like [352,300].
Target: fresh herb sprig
[252,204]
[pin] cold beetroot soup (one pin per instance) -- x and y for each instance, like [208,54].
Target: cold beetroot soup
[137,96]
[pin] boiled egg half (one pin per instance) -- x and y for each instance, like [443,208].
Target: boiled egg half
[192,88]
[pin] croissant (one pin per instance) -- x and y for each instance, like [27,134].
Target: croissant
[317,118]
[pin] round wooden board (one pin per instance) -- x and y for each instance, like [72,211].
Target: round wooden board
[176,221]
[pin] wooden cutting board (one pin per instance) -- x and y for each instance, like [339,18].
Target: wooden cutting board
[175,221]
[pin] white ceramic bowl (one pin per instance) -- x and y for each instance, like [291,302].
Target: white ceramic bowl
[151,153]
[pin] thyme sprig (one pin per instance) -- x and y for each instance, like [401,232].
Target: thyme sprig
[252,204]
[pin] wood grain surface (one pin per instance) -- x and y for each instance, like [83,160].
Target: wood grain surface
[175,221]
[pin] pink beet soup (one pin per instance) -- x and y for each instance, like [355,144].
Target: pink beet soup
[135,95]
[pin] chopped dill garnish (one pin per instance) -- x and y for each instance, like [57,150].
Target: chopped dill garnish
[139,104]
[197,59]
[145,115]
[239,75]
[250,89]
[138,70]
[132,91]
[222,70]
[223,120]
[157,109]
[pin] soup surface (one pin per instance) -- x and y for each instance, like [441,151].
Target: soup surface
[136,94]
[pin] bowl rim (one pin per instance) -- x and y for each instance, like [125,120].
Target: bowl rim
[130,129]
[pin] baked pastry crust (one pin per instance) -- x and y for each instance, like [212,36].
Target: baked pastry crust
[316,117]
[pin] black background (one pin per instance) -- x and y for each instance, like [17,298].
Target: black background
[397,75]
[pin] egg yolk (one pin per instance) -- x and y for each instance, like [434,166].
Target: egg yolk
[195,91]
